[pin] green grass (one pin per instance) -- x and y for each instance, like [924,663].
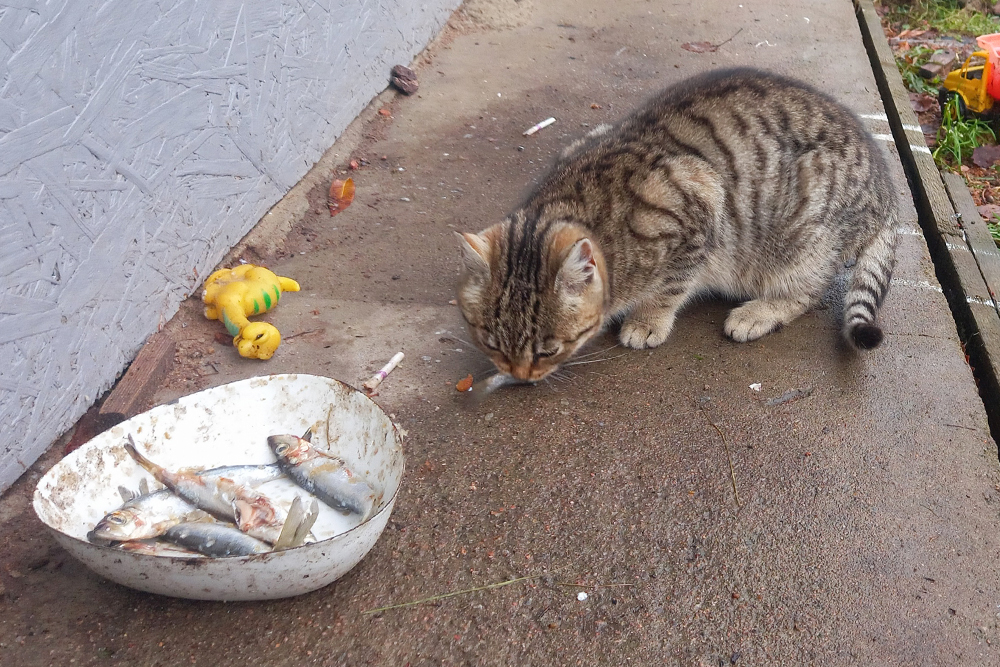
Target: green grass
[959,136]
[994,228]
[947,16]
[909,64]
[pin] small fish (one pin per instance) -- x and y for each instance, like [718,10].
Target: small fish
[156,548]
[144,517]
[222,497]
[327,477]
[147,515]
[478,392]
[215,539]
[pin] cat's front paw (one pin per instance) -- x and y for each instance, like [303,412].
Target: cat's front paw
[639,334]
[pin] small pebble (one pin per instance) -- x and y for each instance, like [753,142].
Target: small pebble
[581,596]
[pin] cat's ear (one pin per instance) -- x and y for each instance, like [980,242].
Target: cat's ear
[476,254]
[579,268]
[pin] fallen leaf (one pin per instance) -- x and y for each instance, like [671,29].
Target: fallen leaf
[906,34]
[464,384]
[404,78]
[922,102]
[986,156]
[341,195]
[700,47]
[990,212]
[384,111]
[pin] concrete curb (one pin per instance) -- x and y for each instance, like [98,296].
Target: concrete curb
[965,258]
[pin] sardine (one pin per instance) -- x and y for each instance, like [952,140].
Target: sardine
[148,515]
[144,517]
[215,539]
[325,476]
[251,511]
[480,390]
[156,548]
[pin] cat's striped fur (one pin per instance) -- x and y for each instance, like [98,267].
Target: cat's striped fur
[737,182]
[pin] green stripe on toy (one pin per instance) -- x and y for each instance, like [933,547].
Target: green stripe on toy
[231,295]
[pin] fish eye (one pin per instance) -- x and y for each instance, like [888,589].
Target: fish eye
[116,519]
[281,449]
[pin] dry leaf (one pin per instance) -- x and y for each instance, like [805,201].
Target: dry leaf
[986,156]
[405,79]
[922,102]
[990,212]
[384,111]
[700,47]
[341,195]
[907,34]
[464,384]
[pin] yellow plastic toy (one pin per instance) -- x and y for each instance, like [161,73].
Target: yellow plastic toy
[976,84]
[233,294]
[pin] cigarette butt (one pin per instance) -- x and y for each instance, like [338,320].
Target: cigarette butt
[376,379]
[535,128]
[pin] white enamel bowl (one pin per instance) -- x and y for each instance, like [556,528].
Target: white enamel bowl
[228,425]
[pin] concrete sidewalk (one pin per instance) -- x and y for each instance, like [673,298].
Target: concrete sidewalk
[865,529]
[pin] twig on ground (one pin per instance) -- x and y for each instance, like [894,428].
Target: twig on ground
[729,456]
[967,428]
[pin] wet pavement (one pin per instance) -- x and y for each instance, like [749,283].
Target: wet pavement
[845,513]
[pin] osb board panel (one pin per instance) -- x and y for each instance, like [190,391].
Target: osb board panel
[138,142]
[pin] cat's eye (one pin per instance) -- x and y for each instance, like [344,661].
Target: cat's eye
[550,352]
[490,342]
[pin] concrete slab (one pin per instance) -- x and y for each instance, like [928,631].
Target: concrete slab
[866,526]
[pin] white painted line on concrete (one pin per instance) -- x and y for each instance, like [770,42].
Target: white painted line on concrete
[923,284]
[885,119]
[913,147]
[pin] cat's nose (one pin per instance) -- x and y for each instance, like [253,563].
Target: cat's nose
[521,371]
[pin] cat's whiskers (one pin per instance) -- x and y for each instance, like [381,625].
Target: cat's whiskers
[591,354]
[594,361]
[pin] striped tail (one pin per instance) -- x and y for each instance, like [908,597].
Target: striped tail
[868,286]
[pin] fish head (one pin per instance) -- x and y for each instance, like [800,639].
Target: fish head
[120,525]
[290,448]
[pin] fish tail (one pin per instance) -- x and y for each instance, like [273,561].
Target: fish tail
[294,517]
[150,467]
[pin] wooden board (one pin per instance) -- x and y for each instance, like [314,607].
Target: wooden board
[134,392]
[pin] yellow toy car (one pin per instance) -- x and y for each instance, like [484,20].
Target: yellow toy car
[976,84]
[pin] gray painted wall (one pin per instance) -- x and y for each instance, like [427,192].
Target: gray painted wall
[140,141]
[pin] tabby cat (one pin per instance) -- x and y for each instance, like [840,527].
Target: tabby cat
[739,182]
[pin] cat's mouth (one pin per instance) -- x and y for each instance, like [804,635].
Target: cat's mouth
[529,372]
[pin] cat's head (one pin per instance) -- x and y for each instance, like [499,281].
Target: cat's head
[532,295]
